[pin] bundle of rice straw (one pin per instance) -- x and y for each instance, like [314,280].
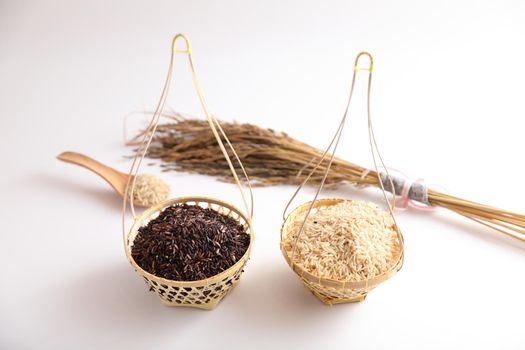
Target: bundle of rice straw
[272,158]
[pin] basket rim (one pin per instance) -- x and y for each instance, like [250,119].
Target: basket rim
[331,283]
[185,199]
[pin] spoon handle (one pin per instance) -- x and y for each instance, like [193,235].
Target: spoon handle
[115,178]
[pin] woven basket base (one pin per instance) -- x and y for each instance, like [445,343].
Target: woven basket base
[332,296]
[330,301]
[202,297]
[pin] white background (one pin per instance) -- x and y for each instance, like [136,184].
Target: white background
[447,105]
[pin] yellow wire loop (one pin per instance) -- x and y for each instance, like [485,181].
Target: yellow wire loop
[186,40]
[370,68]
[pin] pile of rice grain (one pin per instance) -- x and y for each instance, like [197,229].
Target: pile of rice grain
[149,190]
[348,241]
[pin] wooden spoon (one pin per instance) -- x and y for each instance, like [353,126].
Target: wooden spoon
[115,178]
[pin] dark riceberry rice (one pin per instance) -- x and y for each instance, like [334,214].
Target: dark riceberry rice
[189,243]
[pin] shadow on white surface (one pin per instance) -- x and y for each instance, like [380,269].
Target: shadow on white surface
[102,194]
[114,301]
[274,299]
[478,232]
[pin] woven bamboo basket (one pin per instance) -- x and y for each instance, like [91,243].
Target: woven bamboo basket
[206,293]
[331,291]
[327,290]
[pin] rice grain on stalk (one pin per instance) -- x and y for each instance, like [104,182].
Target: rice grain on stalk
[274,158]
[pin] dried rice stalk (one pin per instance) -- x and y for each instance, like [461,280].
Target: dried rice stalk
[273,158]
[349,241]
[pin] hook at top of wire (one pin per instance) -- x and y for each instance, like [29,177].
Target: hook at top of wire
[370,67]
[186,40]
